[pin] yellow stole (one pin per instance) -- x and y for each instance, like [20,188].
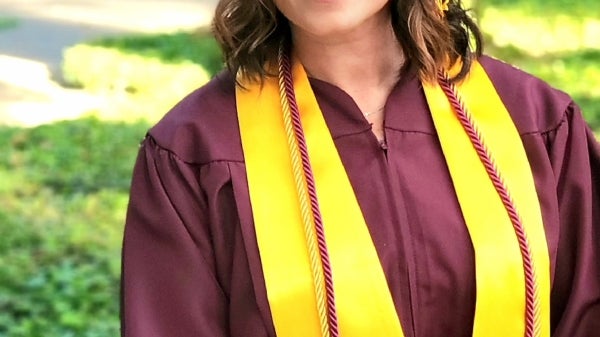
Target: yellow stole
[363,301]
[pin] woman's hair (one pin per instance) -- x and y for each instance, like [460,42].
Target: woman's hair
[251,31]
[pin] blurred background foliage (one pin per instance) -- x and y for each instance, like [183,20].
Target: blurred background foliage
[144,75]
[63,196]
[65,185]
[556,40]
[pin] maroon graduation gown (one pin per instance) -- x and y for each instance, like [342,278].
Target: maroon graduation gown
[191,265]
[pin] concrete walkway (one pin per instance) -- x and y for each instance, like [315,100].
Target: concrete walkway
[31,51]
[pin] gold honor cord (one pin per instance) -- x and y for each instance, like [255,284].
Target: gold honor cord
[364,303]
[501,289]
[308,221]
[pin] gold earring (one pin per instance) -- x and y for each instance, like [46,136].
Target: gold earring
[443,5]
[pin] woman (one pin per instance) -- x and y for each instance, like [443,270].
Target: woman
[360,170]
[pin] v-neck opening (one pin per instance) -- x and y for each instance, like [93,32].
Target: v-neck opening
[344,116]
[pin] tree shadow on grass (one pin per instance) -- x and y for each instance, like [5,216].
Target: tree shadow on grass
[197,47]
[73,157]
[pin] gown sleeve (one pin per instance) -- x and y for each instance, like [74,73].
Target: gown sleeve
[168,287]
[575,158]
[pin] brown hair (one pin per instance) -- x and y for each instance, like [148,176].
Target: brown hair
[250,32]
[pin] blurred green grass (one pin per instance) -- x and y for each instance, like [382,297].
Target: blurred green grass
[64,186]
[544,8]
[197,47]
[575,72]
[144,75]
[556,40]
[63,190]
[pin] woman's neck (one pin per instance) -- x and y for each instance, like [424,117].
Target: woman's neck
[370,56]
[365,63]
